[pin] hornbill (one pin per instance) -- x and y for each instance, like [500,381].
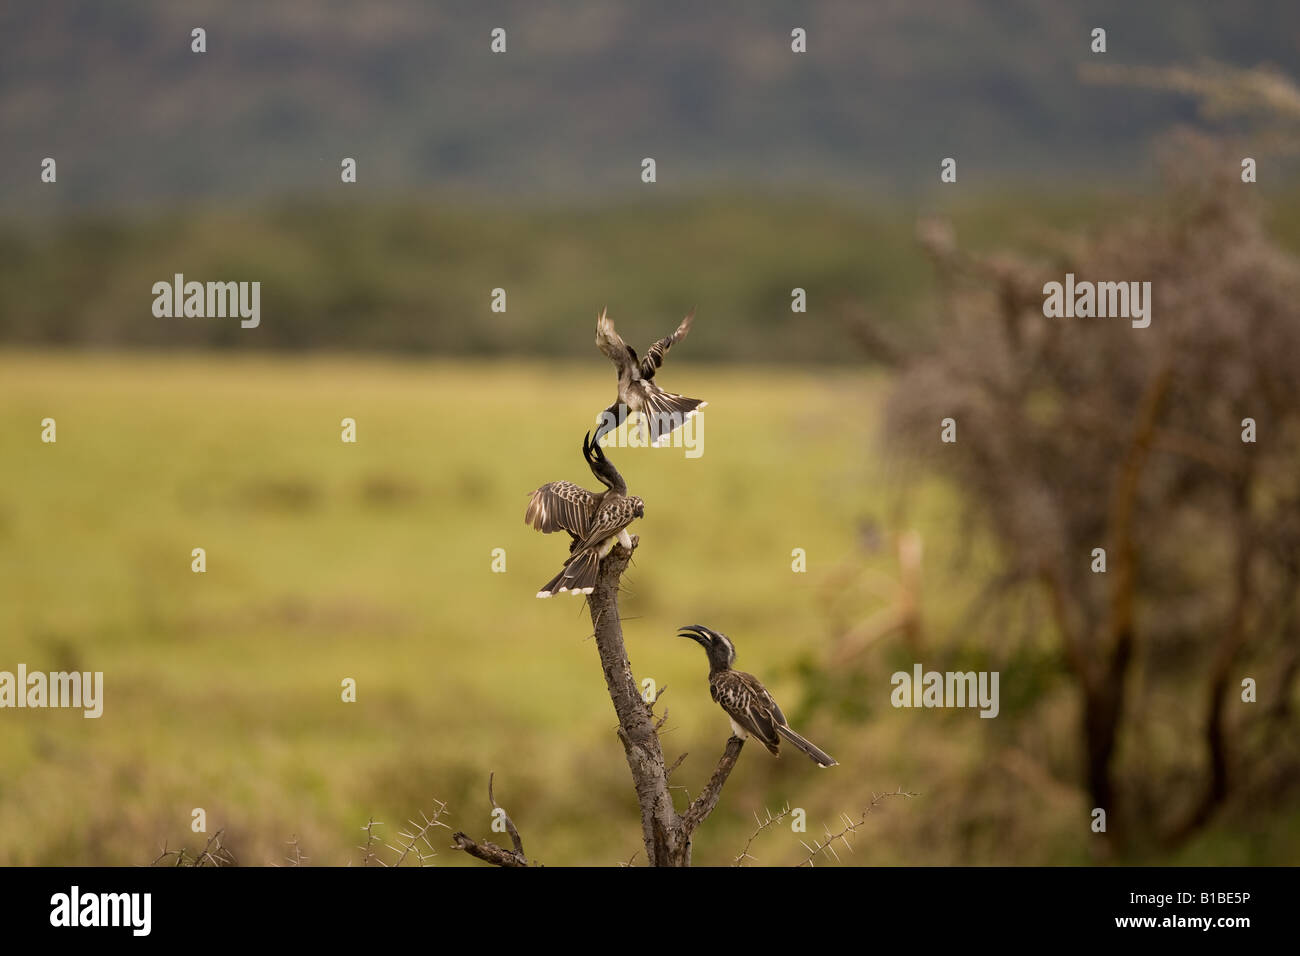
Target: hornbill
[746,701]
[595,521]
[662,411]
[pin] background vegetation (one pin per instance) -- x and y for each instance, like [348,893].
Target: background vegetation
[373,561]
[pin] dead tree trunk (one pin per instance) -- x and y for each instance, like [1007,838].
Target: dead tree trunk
[666,833]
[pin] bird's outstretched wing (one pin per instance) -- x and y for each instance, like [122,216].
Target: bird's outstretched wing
[561,506]
[748,703]
[655,356]
[609,342]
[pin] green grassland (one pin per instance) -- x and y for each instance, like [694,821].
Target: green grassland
[373,561]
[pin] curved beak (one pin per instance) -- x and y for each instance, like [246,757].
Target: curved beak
[592,451]
[695,632]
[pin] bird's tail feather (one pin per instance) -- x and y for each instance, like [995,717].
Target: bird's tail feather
[665,412]
[578,575]
[807,746]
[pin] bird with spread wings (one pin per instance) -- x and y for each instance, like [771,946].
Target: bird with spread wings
[662,412]
[594,521]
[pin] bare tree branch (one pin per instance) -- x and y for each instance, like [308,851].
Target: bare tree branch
[419,834]
[1103,687]
[486,851]
[827,845]
[708,799]
[214,853]
[1230,642]
[510,824]
[763,825]
[489,852]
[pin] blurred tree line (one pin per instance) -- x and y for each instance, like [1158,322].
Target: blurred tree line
[419,277]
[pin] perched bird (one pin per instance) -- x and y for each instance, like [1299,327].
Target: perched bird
[663,412]
[595,521]
[746,701]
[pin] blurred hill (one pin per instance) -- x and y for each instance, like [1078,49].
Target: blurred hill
[586,90]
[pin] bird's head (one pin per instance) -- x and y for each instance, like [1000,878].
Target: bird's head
[722,653]
[638,507]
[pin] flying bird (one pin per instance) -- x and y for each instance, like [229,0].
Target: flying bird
[746,701]
[594,521]
[663,412]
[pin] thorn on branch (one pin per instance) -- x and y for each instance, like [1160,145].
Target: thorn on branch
[676,763]
[850,827]
[771,821]
[212,854]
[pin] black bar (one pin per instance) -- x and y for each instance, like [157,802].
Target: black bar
[333,905]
